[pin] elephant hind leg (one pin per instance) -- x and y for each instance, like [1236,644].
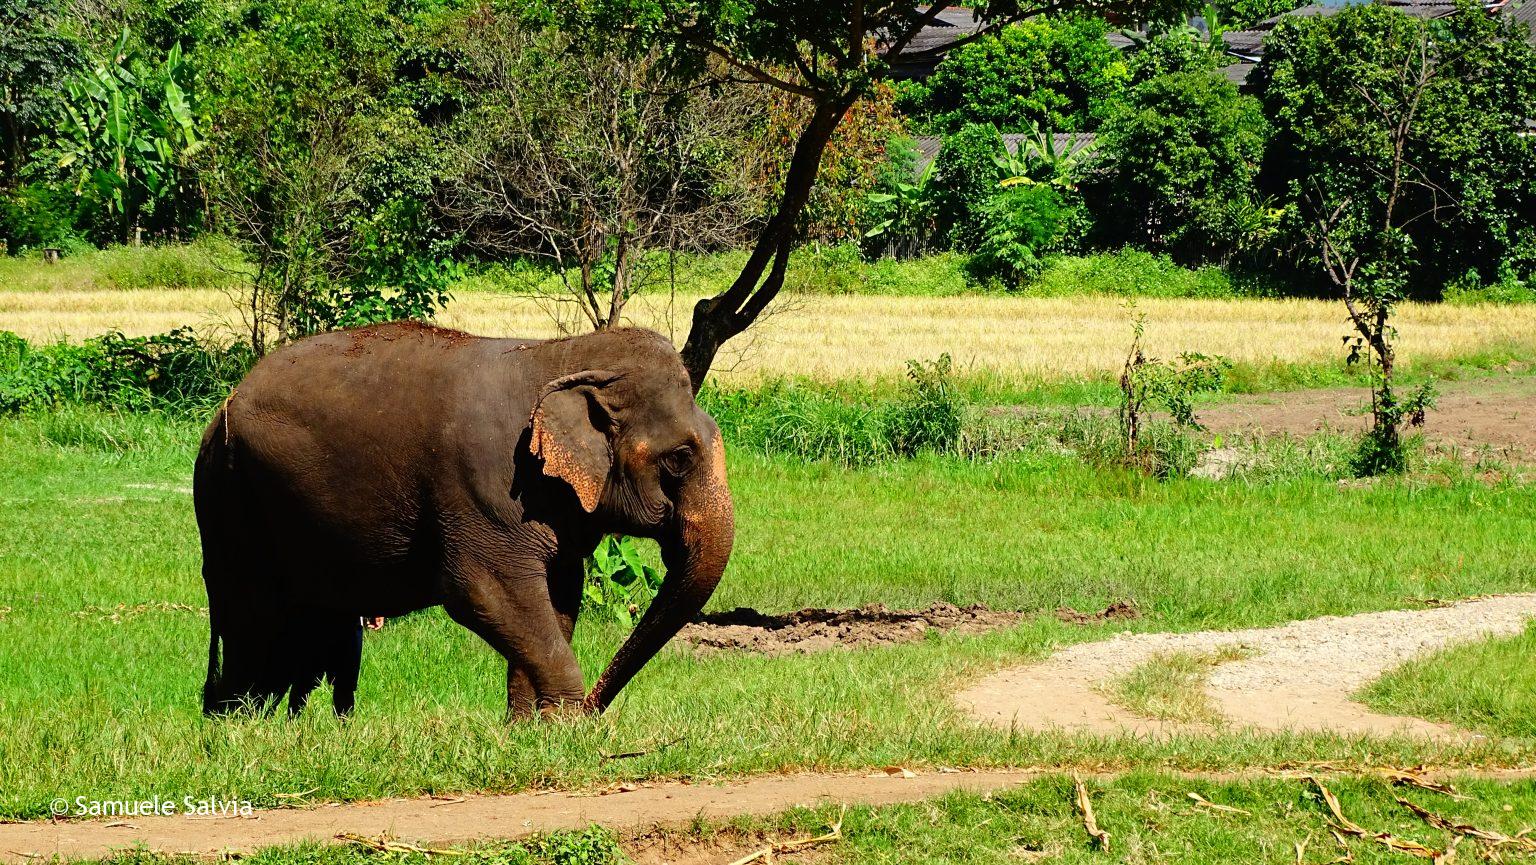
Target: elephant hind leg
[323,645]
[246,666]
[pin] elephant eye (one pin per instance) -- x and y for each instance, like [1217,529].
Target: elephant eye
[677,462]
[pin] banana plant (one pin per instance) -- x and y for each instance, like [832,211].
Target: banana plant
[128,128]
[1039,161]
[909,209]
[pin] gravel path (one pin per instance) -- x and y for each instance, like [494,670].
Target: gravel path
[1300,676]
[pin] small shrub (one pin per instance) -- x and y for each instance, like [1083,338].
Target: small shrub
[1147,382]
[174,372]
[620,585]
[1019,223]
[930,415]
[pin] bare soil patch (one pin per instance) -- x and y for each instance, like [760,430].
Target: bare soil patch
[1299,676]
[817,630]
[1497,412]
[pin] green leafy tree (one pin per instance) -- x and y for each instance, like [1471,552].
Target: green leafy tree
[1176,161]
[1383,149]
[1052,73]
[1179,49]
[1336,90]
[36,58]
[1244,14]
[127,128]
[827,53]
[320,165]
[966,175]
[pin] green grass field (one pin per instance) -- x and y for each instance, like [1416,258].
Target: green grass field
[1485,686]
[94,514]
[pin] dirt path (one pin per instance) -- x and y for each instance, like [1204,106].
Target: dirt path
[483,817]
[1498,412]
[1300,676]
[444,822]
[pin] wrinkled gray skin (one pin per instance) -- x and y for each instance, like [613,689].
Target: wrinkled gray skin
[386,469]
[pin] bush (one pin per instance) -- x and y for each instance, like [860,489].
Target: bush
[38,215]
[966,175]
[173,372]
[1020,223]
[1128,273]
[1178,163]
[930,415]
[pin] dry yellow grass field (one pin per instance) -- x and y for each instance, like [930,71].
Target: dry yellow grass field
[848,336]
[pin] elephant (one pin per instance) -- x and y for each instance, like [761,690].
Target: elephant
[385,469]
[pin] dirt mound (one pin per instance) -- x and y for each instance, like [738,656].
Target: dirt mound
[1119,611]
[817,630]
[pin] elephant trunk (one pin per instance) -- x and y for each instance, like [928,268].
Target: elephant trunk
[695,554]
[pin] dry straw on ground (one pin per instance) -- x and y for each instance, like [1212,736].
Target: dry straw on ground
[853,336]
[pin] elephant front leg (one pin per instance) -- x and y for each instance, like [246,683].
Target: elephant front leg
[522,698]
[511,609]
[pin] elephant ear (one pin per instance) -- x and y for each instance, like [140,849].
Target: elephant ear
[570,429]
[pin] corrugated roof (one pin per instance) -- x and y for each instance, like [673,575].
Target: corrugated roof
[928,146]
[949,26]
[1248,44]
[1237,73]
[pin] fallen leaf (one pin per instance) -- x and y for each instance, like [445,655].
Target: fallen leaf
[1469,831]
[1386,839]
[1085,808]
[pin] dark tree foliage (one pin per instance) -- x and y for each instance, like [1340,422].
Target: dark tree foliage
[1336,88]
[35,60]
[1177,162]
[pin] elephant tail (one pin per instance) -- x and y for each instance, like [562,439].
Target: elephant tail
[213,700]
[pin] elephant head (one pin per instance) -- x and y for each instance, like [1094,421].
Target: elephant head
[645,460]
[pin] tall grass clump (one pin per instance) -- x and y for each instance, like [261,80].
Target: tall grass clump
[842,424]
[208,262]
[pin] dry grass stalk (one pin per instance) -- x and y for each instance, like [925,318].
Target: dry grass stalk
[1206,803]
[766,854]
[1387,839]
[389,845]
[1090,823]
[1525,845]
[856,336]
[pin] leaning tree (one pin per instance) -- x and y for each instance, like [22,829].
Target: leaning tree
[827,52]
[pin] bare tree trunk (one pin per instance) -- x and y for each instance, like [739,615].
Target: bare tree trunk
[717,319]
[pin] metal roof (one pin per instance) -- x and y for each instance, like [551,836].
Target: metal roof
[928,146]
